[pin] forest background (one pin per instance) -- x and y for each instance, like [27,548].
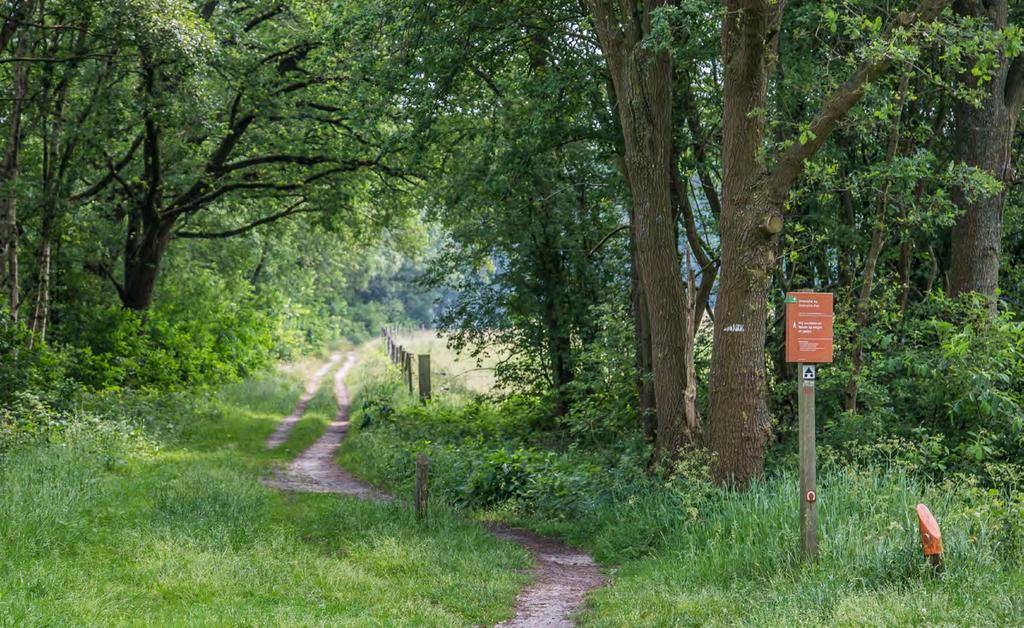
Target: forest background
[613,196]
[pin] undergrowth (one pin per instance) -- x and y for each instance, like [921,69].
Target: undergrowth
[684,551]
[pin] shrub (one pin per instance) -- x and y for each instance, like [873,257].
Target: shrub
[942,392]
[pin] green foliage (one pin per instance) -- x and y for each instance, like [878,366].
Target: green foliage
[486,455]
[940,394]
[171,522]
[603,396]
[25,419]
[689,552]
[200,331]
[34,370]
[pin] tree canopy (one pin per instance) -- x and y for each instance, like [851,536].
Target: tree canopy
[534,177]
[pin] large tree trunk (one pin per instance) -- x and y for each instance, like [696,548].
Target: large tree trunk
[739,424]
[983,137]
[145,246]
[752,201]
[642,80]
[149,231]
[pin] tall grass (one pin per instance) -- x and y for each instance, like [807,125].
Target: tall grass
[684,552]
[108,525]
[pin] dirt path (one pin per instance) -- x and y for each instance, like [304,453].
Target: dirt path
[284,428]
[562,575]
[314,470]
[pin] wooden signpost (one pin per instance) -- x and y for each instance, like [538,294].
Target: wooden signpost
[808,343]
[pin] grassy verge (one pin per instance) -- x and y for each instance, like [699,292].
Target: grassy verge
[683,552]
[107,526]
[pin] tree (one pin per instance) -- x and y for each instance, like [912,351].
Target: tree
[983,137]
[754,193]
[519,181]
[237,111]
[641,76]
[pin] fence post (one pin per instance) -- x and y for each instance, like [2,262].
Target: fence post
[422,492]
[424,369]
[408,371]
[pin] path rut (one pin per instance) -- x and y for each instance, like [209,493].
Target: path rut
[563,575]
[284,428]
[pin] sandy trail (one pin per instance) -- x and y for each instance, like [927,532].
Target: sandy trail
[284,428]
[314,470]
[562,575]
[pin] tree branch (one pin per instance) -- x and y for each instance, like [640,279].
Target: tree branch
[259,19]
[291,211]
[836,106]
[299,160]
[104,272]
[206,199]
[214,165]
[152,166]
[607,236]
[116,168]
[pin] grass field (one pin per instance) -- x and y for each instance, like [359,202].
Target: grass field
[451,372]
[170,526]
[173,528]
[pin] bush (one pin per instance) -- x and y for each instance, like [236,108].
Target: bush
[203,331]
[28,419]
[38,369]
[941,392]
[484,455]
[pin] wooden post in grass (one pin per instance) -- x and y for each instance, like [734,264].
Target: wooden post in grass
[424,370]
[422,468]
[808,343]
[408,371]
[808,465]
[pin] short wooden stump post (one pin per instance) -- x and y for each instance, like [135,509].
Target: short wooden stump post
[422,491]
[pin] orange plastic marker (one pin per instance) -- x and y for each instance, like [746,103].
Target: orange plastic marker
[931,537]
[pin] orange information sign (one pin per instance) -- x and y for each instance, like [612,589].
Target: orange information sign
[808,327]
